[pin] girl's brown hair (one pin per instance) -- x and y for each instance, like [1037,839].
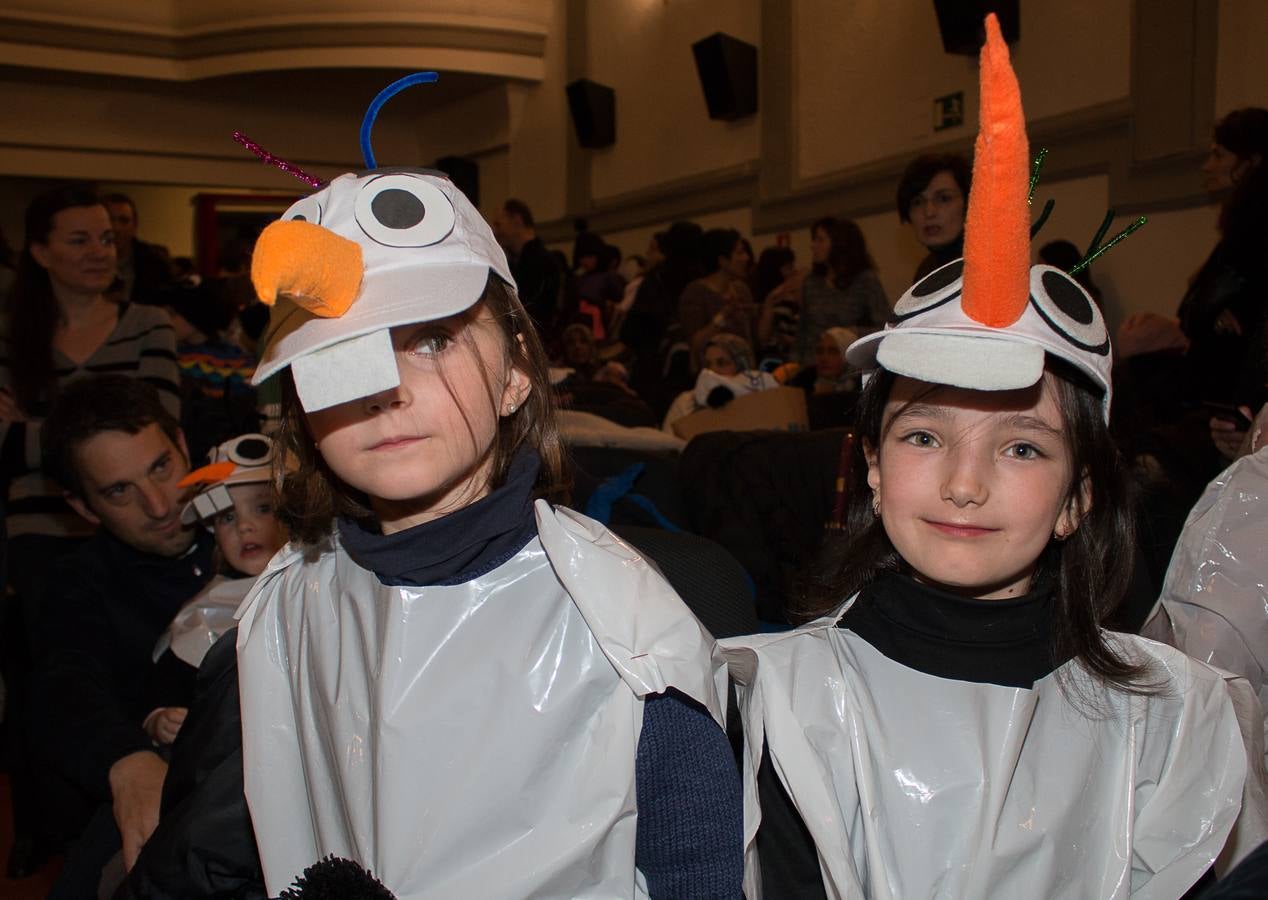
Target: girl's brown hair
[312,496]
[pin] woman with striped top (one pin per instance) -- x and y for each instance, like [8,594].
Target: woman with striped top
[62,326]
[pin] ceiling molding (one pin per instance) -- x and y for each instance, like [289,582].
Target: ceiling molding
[369,42]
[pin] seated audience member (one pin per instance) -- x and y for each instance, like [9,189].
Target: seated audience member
[600,286]
[537,276]
[842,288]
[830,374]
[720,301]
[932,198]
[1223,313]
[831,385]
[728,372]
[596,386]
[143,269]
[776,286]
[217,398]
[120,456]
[59,325]
[235,503]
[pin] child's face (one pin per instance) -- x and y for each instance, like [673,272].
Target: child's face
[422,449]
[249,534]
[972,484]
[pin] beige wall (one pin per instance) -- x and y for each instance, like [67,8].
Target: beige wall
[642,49]
[867,73]
[1241,72]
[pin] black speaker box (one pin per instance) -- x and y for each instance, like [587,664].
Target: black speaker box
[593,108]
[728,73]
[961,23]
[464,173]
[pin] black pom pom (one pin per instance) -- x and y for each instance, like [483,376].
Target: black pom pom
[335,878]
[720,396]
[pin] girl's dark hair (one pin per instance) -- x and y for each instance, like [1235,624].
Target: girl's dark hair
[768,274]
[33,312]
[1087,570]
[312,495]
[718,242]
[921,170]
[1244,132]
[848,256]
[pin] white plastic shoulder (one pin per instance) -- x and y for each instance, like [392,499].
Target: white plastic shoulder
[646,631]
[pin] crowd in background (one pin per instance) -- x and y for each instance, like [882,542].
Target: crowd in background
[641,339]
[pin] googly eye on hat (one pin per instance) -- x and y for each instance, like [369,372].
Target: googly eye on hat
[246,459]
[368,252]
[990,320]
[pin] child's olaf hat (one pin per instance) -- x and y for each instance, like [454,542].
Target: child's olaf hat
[368,252]
[987,321]
[245,459]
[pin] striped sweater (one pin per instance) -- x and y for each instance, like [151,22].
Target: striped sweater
[142,344]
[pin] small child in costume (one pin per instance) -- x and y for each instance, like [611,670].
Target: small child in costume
[235,502]
[956,723]
[446,679]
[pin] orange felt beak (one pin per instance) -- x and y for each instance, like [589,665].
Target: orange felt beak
[209,474]
[307,264]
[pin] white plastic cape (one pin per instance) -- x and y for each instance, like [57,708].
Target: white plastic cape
[202,621]
[475,740]
[918,786]
[1214,603]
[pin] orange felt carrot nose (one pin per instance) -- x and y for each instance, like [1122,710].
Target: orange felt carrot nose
[997,228]
[208,474]
[308,264]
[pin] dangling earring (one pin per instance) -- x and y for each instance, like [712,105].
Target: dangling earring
[876,504]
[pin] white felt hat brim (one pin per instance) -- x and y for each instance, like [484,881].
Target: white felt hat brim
[981,362]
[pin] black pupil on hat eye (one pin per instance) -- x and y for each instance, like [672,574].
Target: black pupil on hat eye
[938,280]
[1068,297]
[252,448]
[299,217]
[396,208]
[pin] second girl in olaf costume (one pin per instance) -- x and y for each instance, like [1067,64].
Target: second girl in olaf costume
[956,724]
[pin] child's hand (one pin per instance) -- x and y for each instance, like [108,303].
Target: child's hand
[164,723]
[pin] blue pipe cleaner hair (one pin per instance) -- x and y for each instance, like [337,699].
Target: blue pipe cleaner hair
[367,124]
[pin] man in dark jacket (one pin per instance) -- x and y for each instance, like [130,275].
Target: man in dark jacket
[537,277]
[120,457]
[144,269]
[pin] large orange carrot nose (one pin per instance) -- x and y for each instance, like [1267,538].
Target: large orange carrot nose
[309,265]
[997,228]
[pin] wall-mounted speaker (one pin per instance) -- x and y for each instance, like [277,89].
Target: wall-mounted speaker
[464,173]
[728,74]
[960,22]
[593,108]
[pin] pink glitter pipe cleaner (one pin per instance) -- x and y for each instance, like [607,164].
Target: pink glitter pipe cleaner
[267,157]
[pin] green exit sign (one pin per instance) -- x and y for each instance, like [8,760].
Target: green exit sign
[948,111]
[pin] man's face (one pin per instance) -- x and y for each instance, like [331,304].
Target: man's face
[123,221]
[508,230]
[130,488]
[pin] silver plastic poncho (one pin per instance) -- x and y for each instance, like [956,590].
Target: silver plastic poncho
[918,786]
[475,740]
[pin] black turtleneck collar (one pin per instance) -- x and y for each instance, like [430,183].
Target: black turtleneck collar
[1004,642]
[458,547]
